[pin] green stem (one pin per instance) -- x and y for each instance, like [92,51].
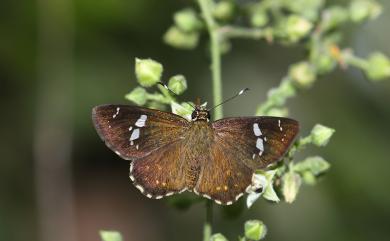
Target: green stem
[241,32]
[207,227]
[212,27]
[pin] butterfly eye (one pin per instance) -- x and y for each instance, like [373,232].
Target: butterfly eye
[208,115]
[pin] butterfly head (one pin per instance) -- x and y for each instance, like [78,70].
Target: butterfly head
[200,113]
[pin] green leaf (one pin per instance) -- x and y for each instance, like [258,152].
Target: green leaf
[320,135]
[148,71]
[218,237]
[138,96]
[106,235]
[314,164]
[255,230]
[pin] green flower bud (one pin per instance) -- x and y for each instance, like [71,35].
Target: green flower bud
[302,74]
[177,84]
[148,71]
[224,10]
[187,20]
[315,165]
[297,27]
[309,178]
[320,135]
[334,17]
[180,39]
[262,180]
[218,237]
[378,67]
[259,19]
[138,96]
[290,187]
[324,63]
[255,230]
[361,10]
[110,235]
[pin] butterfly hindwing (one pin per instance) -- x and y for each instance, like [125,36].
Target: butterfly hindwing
[134,132]
[256,141]
[161,173]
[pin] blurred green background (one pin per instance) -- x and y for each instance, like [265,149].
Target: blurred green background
[58,181]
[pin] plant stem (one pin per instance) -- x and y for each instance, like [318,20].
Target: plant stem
[212,27]
[207,227]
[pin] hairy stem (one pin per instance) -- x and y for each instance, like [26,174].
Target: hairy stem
[212,27]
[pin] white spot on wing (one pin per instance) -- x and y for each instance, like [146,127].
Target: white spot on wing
[116,113]
[169,194]
[256,130]
[259,144]
[130,128]
[141,121]
[134,135]
[229,203]
[149,195]
[280,126]
[238,196]
[159,197]
[137,147]
[218,202]
[139,187]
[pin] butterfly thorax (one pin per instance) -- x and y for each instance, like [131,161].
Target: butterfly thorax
[200,114]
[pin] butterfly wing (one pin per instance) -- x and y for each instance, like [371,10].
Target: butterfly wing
[152,139]
[256,141]
[134,132]
[242,145]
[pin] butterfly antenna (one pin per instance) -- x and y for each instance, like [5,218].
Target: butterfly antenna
[166,87]
[229,99]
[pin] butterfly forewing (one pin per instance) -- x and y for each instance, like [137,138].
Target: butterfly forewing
[134,132]
[256,141]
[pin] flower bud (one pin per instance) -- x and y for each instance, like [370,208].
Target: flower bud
[224,10]
[291,184]
[177,84]
[110,235]
[302,74]
[255,230]
[334,17]
[187,20]
[378,67]
[315,164]
[183,109]
[148,71]
[180,39]
[138,96]
[297,27]
[361,10]
[218,237]
[321,135]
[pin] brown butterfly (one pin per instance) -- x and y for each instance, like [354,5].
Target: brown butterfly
[170,154]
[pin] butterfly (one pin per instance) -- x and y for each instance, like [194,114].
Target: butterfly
[170,154]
